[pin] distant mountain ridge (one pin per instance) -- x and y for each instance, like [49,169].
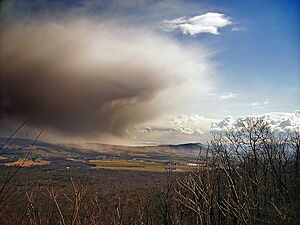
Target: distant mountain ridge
[43,149]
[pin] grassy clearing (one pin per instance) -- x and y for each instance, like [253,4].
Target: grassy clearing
[137,166]
[27,163]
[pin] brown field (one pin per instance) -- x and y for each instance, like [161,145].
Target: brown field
[27,163]
[138,166]
[75,160]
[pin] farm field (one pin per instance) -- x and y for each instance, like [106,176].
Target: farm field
[138,166]
[27,162]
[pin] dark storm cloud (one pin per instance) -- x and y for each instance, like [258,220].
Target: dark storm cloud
[84,77]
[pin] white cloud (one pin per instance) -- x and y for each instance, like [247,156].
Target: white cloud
[279,122]
[235,29]
[266,102]
[205,23]
[227,96]
[186,124]
[257,105]
[194,128]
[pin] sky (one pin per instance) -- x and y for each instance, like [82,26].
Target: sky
[148,71]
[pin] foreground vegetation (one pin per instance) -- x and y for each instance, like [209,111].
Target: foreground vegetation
[248,175]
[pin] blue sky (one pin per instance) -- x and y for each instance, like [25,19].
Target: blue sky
[262,60]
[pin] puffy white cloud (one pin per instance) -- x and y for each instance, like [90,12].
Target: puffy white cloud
[227,96]
[188,124]
[193,128]
[205,23]
[279,122]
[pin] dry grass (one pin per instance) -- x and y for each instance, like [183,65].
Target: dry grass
[27,163]
[75,160]
[137,166]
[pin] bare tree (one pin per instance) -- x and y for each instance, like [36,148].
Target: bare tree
[246,179]
[9,192]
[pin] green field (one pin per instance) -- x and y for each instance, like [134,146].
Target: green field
[137,166]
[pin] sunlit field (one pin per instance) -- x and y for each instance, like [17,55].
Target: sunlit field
[27,163]
[139,166]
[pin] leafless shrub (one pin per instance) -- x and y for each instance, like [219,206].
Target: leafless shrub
[9,191]
[247,179]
